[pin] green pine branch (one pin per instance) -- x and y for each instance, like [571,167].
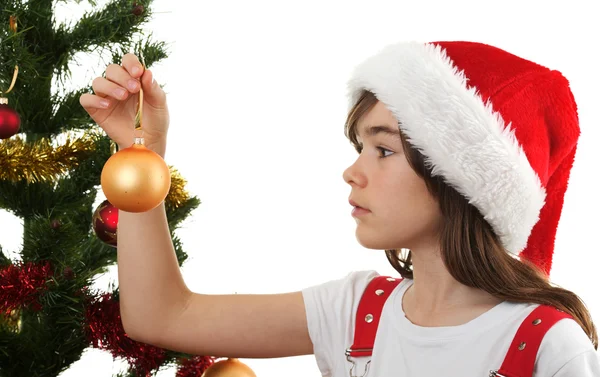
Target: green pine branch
[103,28]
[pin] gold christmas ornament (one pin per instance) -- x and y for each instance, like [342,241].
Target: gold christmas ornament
[136,179]
[229,368]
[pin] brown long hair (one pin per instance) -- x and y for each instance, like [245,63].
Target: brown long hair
[469,247]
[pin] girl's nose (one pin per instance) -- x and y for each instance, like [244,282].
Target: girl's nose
[353,175]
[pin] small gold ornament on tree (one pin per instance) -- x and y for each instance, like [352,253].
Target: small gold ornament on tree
[12,23]
[11,321]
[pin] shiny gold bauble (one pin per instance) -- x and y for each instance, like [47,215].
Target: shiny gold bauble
[135,179]
[11,321]
[229,368]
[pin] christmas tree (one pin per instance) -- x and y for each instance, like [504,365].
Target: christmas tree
[51,159]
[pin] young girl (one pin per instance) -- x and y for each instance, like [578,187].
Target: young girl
[464,156]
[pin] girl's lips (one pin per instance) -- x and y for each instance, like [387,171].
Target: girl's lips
[358,211]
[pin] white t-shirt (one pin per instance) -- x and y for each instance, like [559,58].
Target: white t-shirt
[405,349]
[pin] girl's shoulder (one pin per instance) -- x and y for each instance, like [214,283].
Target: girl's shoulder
[567,349]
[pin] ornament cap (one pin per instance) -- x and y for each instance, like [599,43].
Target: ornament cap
[3,101]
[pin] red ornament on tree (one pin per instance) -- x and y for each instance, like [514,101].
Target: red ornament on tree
[10,121]
[105,220]
[68,273]
[55,224]
[138,9]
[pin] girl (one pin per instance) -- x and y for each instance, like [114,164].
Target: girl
[464,156]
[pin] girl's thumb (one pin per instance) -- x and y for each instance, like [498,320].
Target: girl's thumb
[153,93]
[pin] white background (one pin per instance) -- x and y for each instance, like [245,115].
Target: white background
[257,96]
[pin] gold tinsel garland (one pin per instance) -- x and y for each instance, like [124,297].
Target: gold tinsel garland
[41,161]
[177,195]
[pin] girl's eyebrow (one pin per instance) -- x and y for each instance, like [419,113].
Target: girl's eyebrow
[372,131]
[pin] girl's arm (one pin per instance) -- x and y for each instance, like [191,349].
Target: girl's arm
[157,307]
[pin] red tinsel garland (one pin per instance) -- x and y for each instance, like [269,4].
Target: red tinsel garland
[195,366]
[105,331]
[22,284]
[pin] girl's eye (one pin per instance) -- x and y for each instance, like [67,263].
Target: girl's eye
[359,149]
[383,150]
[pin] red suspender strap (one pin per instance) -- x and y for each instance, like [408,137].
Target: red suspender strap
[521,356]
[369,313]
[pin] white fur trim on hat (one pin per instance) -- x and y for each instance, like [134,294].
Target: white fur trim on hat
[462,138]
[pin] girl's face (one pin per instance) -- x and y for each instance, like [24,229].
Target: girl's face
[401,211]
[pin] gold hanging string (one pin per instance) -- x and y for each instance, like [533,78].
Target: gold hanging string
[14,79]
[140,110]
[13,27]
[138,115]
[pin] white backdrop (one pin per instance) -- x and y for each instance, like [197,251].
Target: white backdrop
[257,96]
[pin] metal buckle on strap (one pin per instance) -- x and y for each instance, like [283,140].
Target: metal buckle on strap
[348,356]
[494,373]
[350,350]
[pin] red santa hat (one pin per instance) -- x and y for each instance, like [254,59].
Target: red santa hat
[500,129]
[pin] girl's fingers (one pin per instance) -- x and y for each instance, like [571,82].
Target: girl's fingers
[118,75]
[107,88]
[132,65]
[91,101]
[153,93]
